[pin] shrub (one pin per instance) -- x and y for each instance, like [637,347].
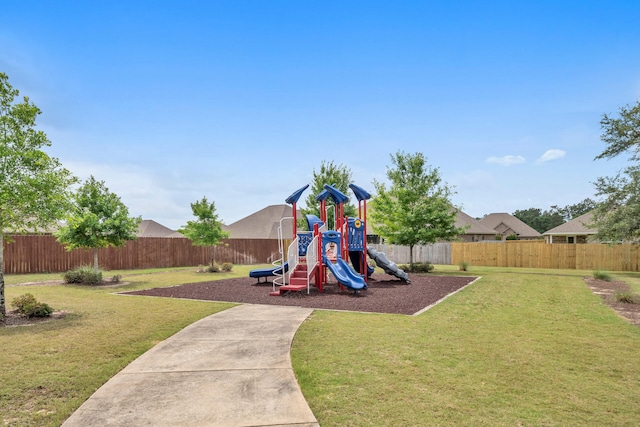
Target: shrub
[627,297]
[213,268]
[463,266]
[29,306]
[602,275]
[116,278]
[512,237]
[83,275]
[418,267]
[227,267]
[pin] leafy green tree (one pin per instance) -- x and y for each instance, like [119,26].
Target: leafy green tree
[206,230]
[540,220]
[34,187]
[416,208]
[98,219]
[621,134]
[617,217]
[337,175]
[570,212]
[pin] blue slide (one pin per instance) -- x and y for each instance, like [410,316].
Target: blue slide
[345,275]
[268,272]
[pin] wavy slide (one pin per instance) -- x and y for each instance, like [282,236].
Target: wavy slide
[345,275]
[389,267]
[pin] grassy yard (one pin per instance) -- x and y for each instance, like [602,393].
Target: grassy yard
[519,347]
[48,370]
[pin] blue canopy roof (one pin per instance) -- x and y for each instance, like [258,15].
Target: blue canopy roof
[360,193]
[322,196]
[337,195]
[296,195]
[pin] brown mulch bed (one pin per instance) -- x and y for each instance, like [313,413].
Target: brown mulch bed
[386,294]
[13,318]
[607,291]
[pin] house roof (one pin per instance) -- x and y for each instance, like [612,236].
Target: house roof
[579,225]
[262,224]
[150,228]
[496,221]
[475,227]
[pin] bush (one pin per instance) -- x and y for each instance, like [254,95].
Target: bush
[602,275]
[418,267]
[83,275]
[463,266]
[226,267]
[214,268]
[29,306]
[627,297]
[116,278]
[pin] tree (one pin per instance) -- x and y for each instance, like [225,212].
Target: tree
[617,217]
[34,187]
[621,134]
[539,220]
[416,209]
[98,219]
[206,230]
[542,221]
[337,175]
[570,212]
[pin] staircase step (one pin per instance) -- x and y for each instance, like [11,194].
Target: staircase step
[294,287]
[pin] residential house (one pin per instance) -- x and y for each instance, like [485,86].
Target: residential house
[475,231]
[505,225]
[263,224]
[150,228]
[578,230]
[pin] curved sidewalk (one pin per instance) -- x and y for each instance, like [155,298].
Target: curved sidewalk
[229,369]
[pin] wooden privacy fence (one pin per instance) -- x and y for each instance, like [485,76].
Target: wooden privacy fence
[538,254]
[437,253]
[43,253]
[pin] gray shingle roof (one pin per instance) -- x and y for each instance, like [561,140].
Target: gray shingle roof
[262,224]
[475,227]
[579,225]
[500,221]
[150,228]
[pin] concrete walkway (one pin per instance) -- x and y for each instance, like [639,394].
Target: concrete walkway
[229,369]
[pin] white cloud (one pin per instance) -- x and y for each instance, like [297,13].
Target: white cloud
[506,160]
[550,155]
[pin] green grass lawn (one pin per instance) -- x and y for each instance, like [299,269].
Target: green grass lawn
[519,347]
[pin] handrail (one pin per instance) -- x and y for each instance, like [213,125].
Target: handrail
[292,256]
[280,277]
[312,259]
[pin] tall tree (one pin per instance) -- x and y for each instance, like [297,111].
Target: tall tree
[206,229]
[621,134]
[416,209]
[540,220]
[34,187]
[617,217]
[98,219]
[337,175]
[570,212]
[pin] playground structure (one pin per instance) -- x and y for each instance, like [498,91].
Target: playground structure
[318,250]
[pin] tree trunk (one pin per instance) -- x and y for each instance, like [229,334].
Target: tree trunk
[211,255]
[3,308]
[95,260]
[411,257]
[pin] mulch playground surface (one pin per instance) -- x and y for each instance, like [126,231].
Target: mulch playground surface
[386,294]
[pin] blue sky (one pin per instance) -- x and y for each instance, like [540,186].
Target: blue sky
[239,101]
